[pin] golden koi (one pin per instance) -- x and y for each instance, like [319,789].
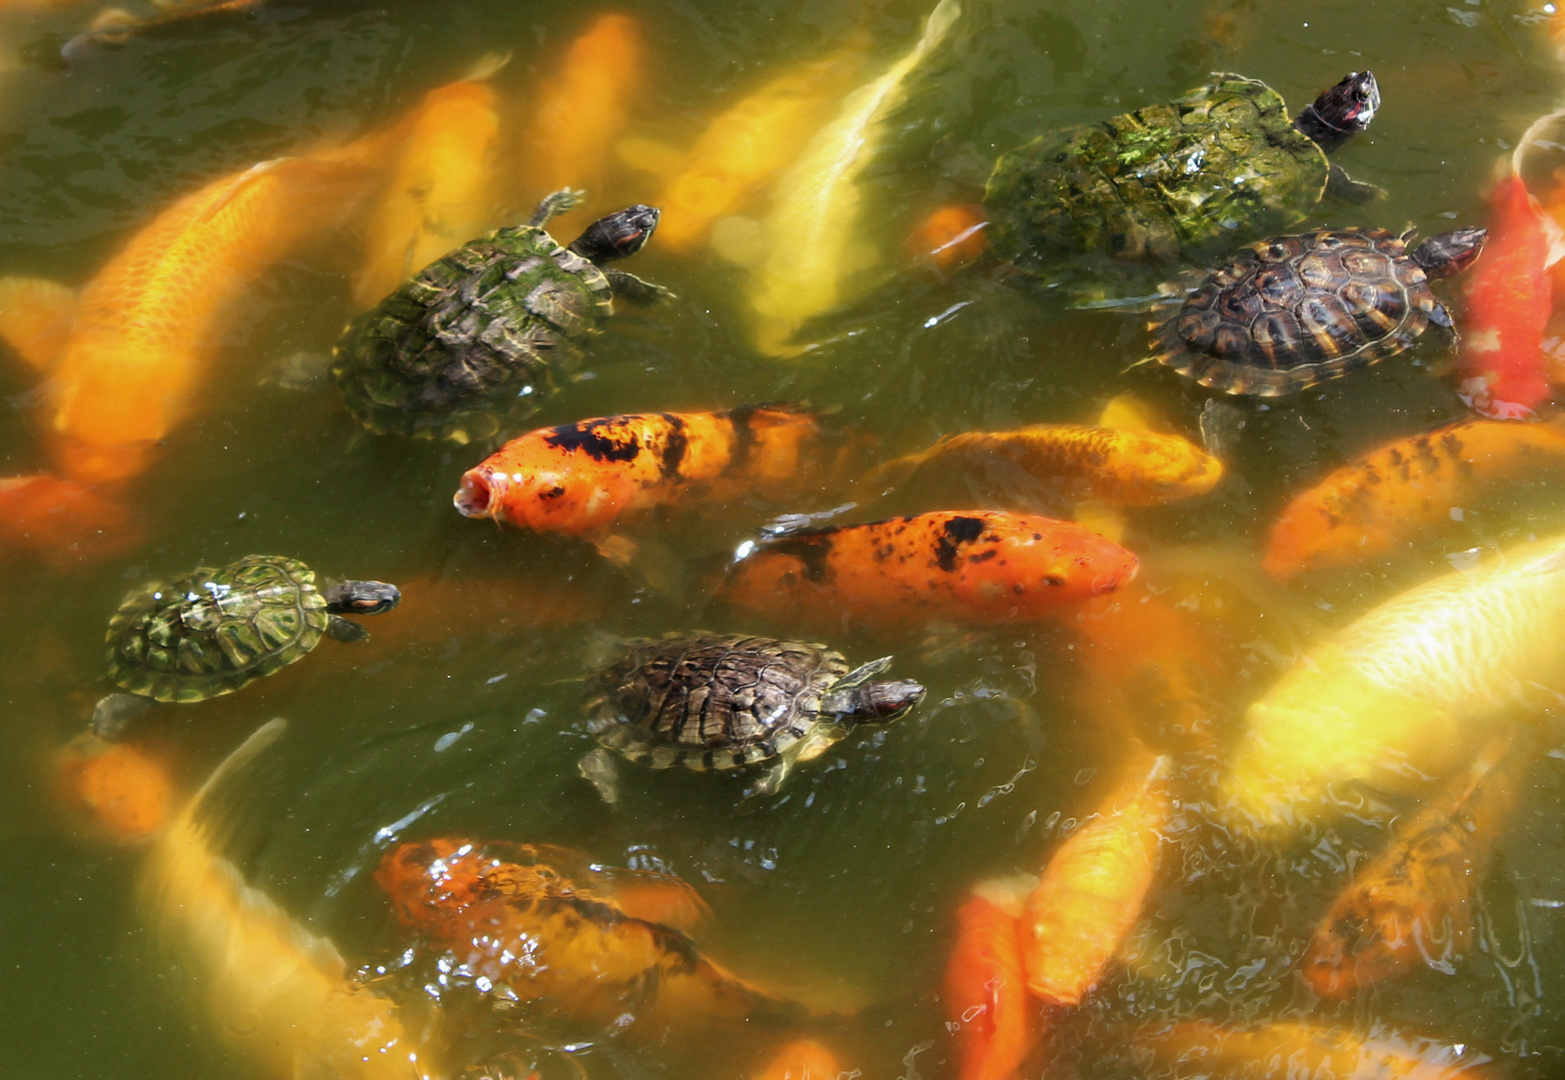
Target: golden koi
[1404,693]
[1313,1050]
[279,995]
[581,109]
[814,216]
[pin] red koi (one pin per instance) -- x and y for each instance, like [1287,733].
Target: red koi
[985,992]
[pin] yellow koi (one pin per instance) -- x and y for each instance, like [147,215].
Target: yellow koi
[583,107]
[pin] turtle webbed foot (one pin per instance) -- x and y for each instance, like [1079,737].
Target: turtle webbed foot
[599,769]
[114,711]
[1339,185]
[554,204]
[634,290]
[340,629]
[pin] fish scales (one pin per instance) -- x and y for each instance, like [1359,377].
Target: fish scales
[985,988]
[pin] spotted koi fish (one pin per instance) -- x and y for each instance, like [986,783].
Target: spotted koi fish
[1383,499]
[1410,902]
[580,478]
[968,566]
[985,990]
[547,937]
[1312,1050]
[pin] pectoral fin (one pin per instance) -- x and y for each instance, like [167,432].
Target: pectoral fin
[659,898]
[35,318]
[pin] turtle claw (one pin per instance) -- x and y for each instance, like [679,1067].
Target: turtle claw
[599,769]
[1339,185]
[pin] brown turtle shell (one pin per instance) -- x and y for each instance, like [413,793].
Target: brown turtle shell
[1291,311]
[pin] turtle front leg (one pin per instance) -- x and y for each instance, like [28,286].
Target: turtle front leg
[1339,185]
[340,629]
[554,204]
[600,769]
[629,287]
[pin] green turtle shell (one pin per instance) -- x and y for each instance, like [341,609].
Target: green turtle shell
[1292,311]
[1160,181]
[214,631]
[710,701]
[473,341]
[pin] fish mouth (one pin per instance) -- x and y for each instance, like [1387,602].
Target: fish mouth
[478,495]
[1107,583]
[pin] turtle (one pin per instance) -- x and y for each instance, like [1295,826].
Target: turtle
[214,631]
[473,340]
[722,701]
[1291,311]
[1170,179]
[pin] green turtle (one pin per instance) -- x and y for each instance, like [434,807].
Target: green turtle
[1224,162]
[722,701]
[214,631]
[475,339]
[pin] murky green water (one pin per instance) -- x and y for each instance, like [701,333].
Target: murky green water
[458,717]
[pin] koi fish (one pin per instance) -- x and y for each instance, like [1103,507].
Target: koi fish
[1313,1050]
[580,478]
[747,145]
[442,188]
[968,566]
[1410,902]
[1091,893]
[1405,692]
[812,225]
[802,1059]
[1509,299]
[1381,500]
[63,521]
[121,790]
[949,238]
[581,110]
[529,927]
[278,994]
[985,989]
[1115,465]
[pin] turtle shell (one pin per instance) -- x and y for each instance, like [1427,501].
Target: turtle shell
[214,631]
[1292,311]
[1160,181]
[474,340]
[710,701]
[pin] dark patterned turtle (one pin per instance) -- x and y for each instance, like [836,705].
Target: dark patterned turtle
[475,339]
[214,631]
[1223,162]
[1292,311]
[721,701]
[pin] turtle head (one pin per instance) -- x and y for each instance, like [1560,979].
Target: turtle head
[885,699]
[1450,252]
[361,598]
[619,234]
[1342,111]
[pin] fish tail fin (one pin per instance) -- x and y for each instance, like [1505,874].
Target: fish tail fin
[241,756]
[488,65]
[941,20]
[896,471]
[35,318]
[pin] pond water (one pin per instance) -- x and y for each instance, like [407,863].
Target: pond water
[460,717]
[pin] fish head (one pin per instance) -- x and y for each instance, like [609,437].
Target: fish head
[1450,253]
[617,235]
[430,880]
[1027,565]
[1168,468]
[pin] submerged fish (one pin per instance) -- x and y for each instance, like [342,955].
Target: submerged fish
[545,937]
[444,188]
[1509,299]
[966,566]
[582,107]
[1114,465]
[580,478]
[985,988]
[63,521]
[1410,902]
[1406,692]
[802,1059]
[813,224]
[278,995]
[121,791]
[1383,499]
[1091,893]
[949,237]
[1311,1050]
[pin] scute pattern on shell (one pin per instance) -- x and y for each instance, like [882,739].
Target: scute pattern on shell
[710,701]
[214,631]
[1171,178]
[450,353]
[1292,311]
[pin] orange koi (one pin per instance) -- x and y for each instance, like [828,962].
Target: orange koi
[63,521]
[1381,500]
[949,238]
[1508,304]
[1313,1050]
[1092,891]
[969,566]
[985,990]
[546,937]
[580,478]
[442,189]
[581,110]
[1410,902]
[802,1059]
[120,789]
[1120,466]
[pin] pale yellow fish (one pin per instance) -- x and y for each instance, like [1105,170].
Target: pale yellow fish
[278,995]
[811,229]
[1403,696]
[444,189]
